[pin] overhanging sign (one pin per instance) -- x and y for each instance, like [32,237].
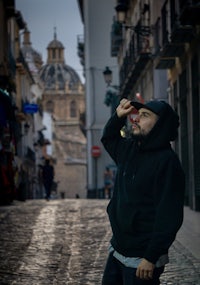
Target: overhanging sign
[30,108]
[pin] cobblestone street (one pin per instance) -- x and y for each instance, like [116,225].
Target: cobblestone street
[65,242]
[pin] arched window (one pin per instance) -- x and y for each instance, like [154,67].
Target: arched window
[53,53]
[50,106]
[73,109]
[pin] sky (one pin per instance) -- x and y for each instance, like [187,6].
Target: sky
[42,16]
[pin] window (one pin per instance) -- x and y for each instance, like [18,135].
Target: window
[53,53]
[50,106]
[73,109]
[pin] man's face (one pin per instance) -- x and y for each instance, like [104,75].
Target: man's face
[144,122]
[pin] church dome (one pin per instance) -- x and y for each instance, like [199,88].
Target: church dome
[55,74]
[55,44]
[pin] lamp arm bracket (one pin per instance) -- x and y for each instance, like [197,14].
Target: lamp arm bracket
[142,30]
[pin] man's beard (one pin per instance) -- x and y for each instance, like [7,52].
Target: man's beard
[140,137]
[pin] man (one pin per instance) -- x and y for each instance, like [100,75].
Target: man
[48,176]
[146,209]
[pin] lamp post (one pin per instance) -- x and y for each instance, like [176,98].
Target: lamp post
[121,10]
[112,96]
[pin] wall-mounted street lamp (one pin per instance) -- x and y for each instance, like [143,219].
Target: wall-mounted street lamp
[26,128]
[121,10]
[112,96]
[35,146]
[107,73]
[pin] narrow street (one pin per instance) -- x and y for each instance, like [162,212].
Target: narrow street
[65,242]
[56,242]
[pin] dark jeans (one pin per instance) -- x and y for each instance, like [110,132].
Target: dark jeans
[116,273]
[47,187]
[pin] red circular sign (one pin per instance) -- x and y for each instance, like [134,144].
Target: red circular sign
[96,151]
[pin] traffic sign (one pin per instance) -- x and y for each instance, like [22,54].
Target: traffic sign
[96,151]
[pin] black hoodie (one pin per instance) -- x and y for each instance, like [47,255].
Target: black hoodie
[146,209]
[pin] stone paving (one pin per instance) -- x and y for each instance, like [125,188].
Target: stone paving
[65,242]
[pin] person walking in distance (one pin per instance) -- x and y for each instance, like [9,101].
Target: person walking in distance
[108,182]
[146,209]
[48,176]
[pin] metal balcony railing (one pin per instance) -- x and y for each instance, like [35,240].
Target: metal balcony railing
[137,56]
[189,12]
[116,37]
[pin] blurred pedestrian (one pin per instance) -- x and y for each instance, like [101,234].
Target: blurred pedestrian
[146,209]
[40,181]
[48,176]
[23,183]
[108,182]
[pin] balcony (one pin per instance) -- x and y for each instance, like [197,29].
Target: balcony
[189,12]
[10,8]
[134,74]
[116,38]
[22,66]
[135,61]
[183,34]
[180,32]
[81,49]
[170,37]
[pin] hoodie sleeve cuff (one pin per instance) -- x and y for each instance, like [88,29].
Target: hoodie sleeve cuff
[153,258]
[117,122]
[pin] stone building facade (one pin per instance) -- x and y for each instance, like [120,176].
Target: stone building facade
[64,103]
[157,44]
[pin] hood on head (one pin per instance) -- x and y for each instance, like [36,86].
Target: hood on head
[166,128]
